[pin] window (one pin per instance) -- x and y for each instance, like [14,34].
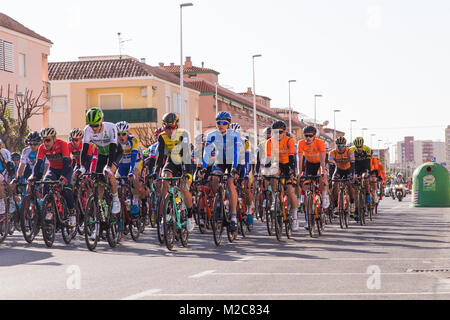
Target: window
[22,68]
[176,103]
[167,104]
[110,101]
[6,56]
[59,104]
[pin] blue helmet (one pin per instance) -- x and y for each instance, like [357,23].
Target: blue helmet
[223,115]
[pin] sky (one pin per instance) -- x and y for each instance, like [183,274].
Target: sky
[383,63]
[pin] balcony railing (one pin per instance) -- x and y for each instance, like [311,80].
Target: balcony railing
[131,115]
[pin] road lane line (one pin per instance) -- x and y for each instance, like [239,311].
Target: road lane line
[142,294]
[202,274]
[310,274]
[295,294]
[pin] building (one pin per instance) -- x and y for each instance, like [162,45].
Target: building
[24,65]
[413,153]
[125,88]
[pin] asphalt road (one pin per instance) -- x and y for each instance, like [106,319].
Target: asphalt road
[403,254]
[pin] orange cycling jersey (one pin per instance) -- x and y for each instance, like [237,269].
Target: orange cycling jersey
[312,151]
[375,164]
[342,160]
[286,148]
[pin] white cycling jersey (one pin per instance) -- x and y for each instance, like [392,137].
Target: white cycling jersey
[102,139]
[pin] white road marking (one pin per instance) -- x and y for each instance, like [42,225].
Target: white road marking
[309,273]
[295,294]
[254,258]
[202,274]
[244,259]
[142,294]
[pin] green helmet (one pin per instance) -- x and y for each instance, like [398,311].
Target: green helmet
[94,116]
[358,142]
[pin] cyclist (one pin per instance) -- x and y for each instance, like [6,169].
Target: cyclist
[377,176]
[7,173]
[15,158]
[227,146]
[244,169]
[132,163]
[363,156]
[57,152]
[281,150]
[344,159]
[313,149]
[104,136]
[175,141]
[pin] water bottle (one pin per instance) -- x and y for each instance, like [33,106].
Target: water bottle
[264,203]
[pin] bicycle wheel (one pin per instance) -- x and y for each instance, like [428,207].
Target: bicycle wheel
[169,222]
[217,219]
[48,220]
[113,224]
[4,226]
[201,215]
[288,226]
[153,209]
[320,221]
[242,220]
[29,218]
[278,213]
[159,226]
[362,207]
[312,226]
[183,232]
[269,216]
[135,226]
[346,211]
[342,210]
[68,233]
[91,224]
[80,218]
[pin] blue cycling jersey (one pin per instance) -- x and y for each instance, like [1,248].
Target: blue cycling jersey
[227,147]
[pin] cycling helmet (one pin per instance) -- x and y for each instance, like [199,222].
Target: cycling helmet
[145,153]
[289,134]
[310,129]
[34,136]
[235,126]
[94,116]
[15,156]
[267,131]
[279,125]
[341,140]
[170,119]
[122,126]
[76,134]
[48,132]
[224,116]
[358,142]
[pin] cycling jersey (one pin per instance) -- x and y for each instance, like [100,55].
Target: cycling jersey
[364,154]
[131,152]
[102,139]
[28,158]
[55,155]
[178,151]
[342,160]
[285,149]
[227,148]
[76,152]
[312,151]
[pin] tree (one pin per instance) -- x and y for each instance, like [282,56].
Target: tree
[14,130]
[146,135]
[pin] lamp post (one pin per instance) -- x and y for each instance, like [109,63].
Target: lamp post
[290,109]
[217,106]
[351,131]
[315,103]
[363,129]
[334,111]
[255,127]
[181,54]
[371,139]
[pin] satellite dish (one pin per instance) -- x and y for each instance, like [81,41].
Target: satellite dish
[325,123]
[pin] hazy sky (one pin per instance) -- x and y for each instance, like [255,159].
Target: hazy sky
[385,64]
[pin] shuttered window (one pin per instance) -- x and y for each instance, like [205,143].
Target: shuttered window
[110,101]
[6,56]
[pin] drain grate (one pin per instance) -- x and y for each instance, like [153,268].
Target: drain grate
[427,270]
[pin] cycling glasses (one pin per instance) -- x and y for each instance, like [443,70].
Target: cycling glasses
[122,134]
[94,125]
[170,127]
[341,145]
[47,140]
[222,122]
[309,135]
[34,143]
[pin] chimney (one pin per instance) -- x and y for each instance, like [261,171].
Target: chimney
[161,64]
[172,64]
[188,63]
[203,64]
[142,60]
[249,91]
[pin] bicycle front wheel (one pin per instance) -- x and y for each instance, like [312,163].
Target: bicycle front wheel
[278,218]
[169,222]
[49,215]
[29,218]
[91,224]
[217,219]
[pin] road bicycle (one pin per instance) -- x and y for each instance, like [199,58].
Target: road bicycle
[98,216]
[204,205]
[280,208]
[133,222]
[343,202]
[314,215]
[174,214]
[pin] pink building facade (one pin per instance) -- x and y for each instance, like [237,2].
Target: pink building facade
[24,65]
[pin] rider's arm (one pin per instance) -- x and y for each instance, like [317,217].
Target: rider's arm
[39,161]
[84,155]
[160,158]
[208,149]
[237,149]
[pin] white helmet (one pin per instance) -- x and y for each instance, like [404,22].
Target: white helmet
[122,126]
[76,134]
[48,132]
[235,126]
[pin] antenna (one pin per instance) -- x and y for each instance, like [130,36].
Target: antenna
[121,42]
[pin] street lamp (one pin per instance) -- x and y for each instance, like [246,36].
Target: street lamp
[181,54]
[290,110]
[371,141]
[315,98]
[363,129]
[255,127]
[351,131]
[334,111]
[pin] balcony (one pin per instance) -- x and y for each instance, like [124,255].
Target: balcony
[131,115]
